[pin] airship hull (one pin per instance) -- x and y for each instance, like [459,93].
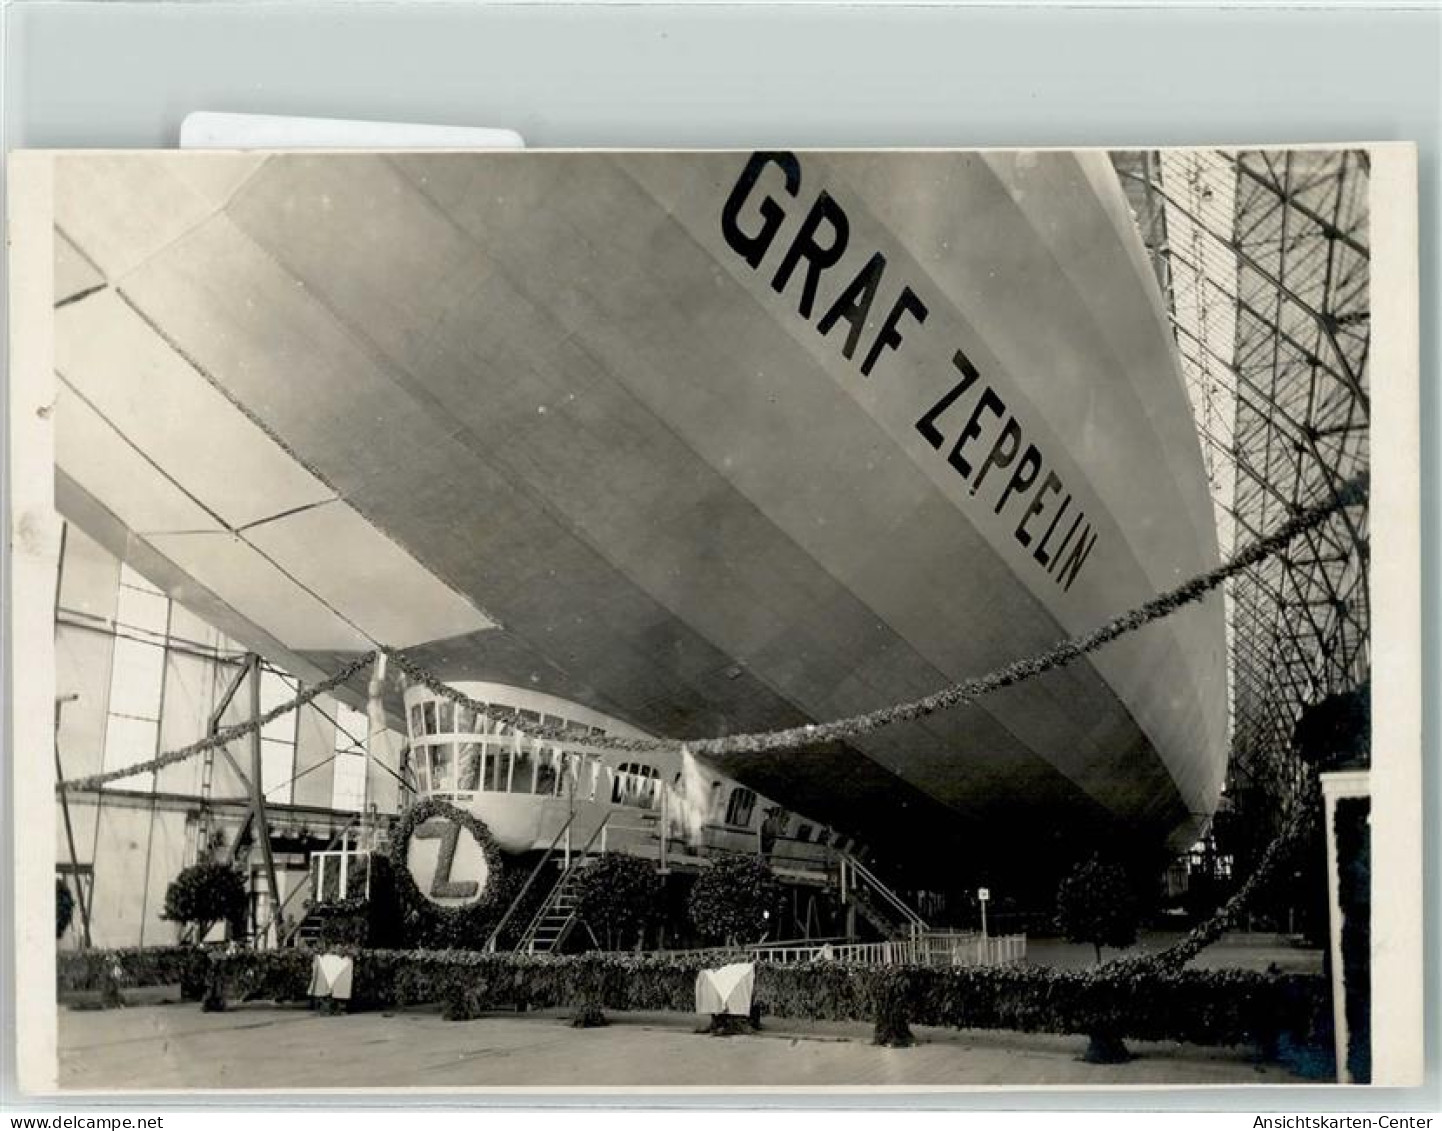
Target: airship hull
[712,443]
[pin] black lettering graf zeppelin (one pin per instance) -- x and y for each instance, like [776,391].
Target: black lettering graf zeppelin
[818,245]
[1061,560]
[752,219]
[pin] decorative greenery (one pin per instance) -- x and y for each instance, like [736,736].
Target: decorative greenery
[732,1025]
[64,907]
[1095,904]
[460,925]
[361,919]
[494,715]
[149,966]
[110,995]
[618,896]
[591,981]
[1208,1007]
[222,737]
[343,922]
[891,990]
[1294,832]
[205,894]
[258,975]
[1271,1011]
[1336,732]
[1354,898]
[734,900]
[212,1000]
[1352,493]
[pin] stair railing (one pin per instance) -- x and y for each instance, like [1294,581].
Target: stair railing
[549,902]
[600,831]
[284,940]
[855,877]
[561,833]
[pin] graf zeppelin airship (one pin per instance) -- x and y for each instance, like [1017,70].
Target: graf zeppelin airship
[676,445]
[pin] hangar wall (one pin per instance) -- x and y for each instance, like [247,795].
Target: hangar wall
[145,674]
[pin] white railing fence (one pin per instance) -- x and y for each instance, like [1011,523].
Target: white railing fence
[929,948]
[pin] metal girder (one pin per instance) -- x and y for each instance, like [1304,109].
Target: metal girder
[1277,243]
[1304,433]
[259,818]
[1283,291]
[1291,202]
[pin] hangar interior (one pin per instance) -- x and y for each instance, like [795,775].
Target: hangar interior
[1262,259]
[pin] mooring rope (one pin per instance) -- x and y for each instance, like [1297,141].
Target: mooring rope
[1351,493]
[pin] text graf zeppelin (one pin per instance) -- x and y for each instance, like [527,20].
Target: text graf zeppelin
[970,426]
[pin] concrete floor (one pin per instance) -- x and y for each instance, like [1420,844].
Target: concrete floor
[154,1044]
[263,1046]
[1238,950]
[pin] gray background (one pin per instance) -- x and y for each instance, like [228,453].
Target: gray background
[710,75]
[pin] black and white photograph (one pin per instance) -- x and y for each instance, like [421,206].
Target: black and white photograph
[778,619]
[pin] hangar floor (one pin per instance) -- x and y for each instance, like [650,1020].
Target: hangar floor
[164,1045]
[157,1047]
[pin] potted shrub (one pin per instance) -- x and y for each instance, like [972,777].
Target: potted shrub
[734,900]
[618,896]
[1095,904]
[203,895]
[64,907]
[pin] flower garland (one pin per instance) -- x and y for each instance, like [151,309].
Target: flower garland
[415,901]
[221,737]
[1351,493]
[511,718]
[1175,957]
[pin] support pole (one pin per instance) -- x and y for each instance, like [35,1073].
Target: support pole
[155,775]
[212,728]
[375,736]
[665,828]
[60,701]
[257,789]
[1337,786]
